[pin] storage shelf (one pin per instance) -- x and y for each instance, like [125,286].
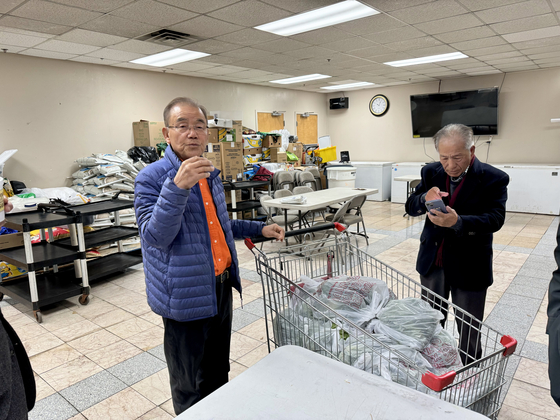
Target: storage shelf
[245,184]
[105,206]
[102,236]
[114,263]
[244,205]
[51,288]
[37,220]
[44,255]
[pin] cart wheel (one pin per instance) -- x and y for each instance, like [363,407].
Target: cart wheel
[1,296]
[38,316]
[84,299]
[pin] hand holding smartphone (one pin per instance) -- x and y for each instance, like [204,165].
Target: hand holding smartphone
[436,205]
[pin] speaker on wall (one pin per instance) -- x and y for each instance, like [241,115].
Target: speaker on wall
[338,103]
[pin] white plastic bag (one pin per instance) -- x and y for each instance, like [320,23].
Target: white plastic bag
[442,352]
[68,195]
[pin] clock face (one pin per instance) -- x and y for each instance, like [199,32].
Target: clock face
[379,105]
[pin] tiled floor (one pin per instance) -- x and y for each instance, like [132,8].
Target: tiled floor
[105,360]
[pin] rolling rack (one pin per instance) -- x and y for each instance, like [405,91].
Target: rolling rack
[52,284]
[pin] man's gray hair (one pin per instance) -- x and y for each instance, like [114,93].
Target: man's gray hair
[457,131]
[182,100]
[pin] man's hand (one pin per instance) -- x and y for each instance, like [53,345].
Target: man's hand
[442,219]
[7,208]
[435,194]
[191,171]
[273,231]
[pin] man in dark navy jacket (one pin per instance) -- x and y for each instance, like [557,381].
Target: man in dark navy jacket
[190,261]
[455,255]
[553,327]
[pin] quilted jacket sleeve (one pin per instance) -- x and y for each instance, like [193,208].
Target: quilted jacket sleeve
[159,210]
[246,229]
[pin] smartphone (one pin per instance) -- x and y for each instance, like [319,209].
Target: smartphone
[436,205]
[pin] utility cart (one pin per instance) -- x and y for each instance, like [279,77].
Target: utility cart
[296,316]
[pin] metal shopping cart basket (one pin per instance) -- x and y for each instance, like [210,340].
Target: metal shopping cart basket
[476,385]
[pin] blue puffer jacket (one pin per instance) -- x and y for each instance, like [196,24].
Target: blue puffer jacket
[178,264]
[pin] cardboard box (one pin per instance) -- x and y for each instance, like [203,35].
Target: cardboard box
[272,140]
[216,135]
[266,152]
[213,154]
[148,133]
[11,240]
[232,160]
[250,141]
[277,156]
[237,196]
[252,159]
[237,126]
[253,151]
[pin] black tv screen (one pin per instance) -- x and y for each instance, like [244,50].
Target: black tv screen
[477,109]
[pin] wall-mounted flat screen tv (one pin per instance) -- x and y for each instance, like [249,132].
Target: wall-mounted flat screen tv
[476,108]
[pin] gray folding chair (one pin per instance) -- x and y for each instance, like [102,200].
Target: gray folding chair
[283,180]
[356,218]
[306,179]
[317,177]
[305,189]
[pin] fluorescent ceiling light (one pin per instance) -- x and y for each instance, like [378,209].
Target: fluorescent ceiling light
[428,59]
[300,79]
[334,14]
[347,86]
[167,58]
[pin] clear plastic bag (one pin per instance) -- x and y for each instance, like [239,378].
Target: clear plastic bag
[442,352]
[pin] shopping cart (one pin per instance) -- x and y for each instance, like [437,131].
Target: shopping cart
[476,385]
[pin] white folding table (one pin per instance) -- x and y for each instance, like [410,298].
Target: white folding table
[295,383]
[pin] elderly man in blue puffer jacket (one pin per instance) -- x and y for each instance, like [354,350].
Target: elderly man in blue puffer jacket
[190,261]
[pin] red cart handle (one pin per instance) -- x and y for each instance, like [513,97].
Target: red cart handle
[250,242]
[509,343]
[437,383]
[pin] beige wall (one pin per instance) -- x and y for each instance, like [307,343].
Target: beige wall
[527,102]
[55,111]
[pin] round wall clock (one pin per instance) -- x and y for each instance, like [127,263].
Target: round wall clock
[379,105]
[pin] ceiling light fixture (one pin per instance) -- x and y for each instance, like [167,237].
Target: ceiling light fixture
[428,59]
[300,79]
[347,86]
[167,58]
[334,14]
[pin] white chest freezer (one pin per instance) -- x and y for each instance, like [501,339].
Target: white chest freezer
[533,188]
[399,188]
[374,175]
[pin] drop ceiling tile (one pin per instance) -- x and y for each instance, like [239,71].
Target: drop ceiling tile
[534,34]
[250,13]
[322,36]
[525,24]
[536,43]
[394,35]
[489,50]
[514,11]
[248,53]
[219,59]
[455,23]
[372,51]
[12,48]
[154,13]
[66,47]
[33,25]
[103,6]
[413,44]
[463,63]
[476,69]
[521,59]
[547,60]
[199,6]
[81,36]
[253,74]
[350,44]
[310,52]
[48,54]
[298,6]
[193,66]
[25,32]
[499,56]
[478,43]
[206,27]
[140,47]
[516,66]
[429,11]
[440,49]
[114,25]
[7,5]
[370,25]
[112,54]
[389,5]
[475,5]
[392,57]
[281,45]
[212,46]
[549,65]
[248,36]
[556,5]
[482,73]
[54,13]
[540,50]
[372,68]
[95,60]
[221,70]
[250,64]
[465,34]
[20,40]
[127,65]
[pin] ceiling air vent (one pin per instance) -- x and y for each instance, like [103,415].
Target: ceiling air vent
[169,38]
